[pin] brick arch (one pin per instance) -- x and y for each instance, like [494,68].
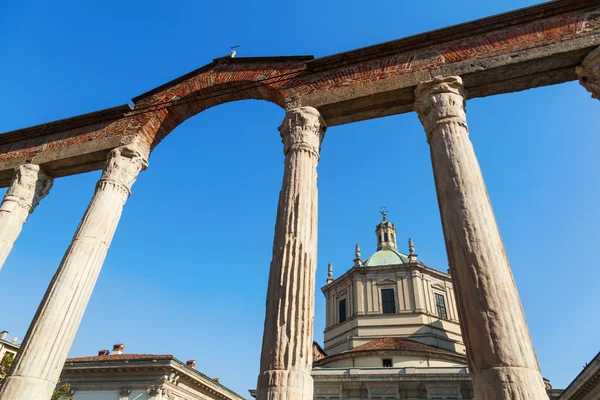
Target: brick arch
[158,112]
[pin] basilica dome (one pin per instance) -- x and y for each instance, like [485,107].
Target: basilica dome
[386,256]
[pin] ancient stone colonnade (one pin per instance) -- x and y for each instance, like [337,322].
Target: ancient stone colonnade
[432,74]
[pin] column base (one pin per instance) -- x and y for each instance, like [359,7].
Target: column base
[285,385]
[26,388]
[509,383]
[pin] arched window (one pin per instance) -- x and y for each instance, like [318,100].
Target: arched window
[385,237]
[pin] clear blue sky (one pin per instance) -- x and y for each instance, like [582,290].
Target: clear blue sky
[187,271]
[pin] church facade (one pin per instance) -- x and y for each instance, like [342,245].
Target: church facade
[392,330]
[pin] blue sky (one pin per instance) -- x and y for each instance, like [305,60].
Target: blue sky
[187,271]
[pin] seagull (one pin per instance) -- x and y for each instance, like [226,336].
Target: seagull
[233,52]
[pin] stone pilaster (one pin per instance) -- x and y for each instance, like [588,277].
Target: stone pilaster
[40,360]
[501,358]
[29,185]
[286,359]
[589,73]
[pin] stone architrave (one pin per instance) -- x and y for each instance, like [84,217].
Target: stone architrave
[501,358]
[286,359]
[40,360]
[589,73]
[29,186]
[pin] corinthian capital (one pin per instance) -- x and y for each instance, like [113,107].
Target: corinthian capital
[303,128]
[589,73]
[29,185]
[440,100]
[123,165]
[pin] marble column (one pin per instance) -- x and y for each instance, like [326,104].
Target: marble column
[29,186]
[286,359]
[501,358]
[589,73]
[40,360]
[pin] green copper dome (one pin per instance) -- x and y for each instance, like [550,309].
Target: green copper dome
[387,256]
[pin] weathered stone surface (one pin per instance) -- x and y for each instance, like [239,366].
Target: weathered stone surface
[29,185]
[286,359]
[589,73]
[499,349]
[38,364]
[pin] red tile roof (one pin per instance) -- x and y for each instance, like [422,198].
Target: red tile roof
[120,357]
[396,343]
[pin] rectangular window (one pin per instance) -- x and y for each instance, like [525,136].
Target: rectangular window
[387,363]
[440,303]
[387,301]
[342,310]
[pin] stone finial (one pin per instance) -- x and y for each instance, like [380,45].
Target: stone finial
[412,256]
[329,273]
[303,128]
[29,185]
[357,261]
[589,73]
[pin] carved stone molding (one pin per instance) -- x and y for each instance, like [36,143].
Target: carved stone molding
[589,73]
[122,167]
[440,100]
[29,185]
[303,128]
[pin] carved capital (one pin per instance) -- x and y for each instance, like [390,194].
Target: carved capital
[122,167]
[589,73]
[440,100]
[29,185]
[303,128]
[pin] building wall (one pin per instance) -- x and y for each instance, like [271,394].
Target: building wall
[416,314]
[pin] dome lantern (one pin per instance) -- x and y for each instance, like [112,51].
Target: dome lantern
[386,233]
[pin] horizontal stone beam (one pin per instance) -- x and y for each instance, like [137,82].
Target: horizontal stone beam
[523,49]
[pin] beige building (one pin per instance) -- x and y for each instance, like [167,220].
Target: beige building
[392,330]
[119,376]
[586,386]
[7,346]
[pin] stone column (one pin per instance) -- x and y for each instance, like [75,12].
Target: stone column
[589,73]
[29,186]
[501,358]
[40,360]
[286,359]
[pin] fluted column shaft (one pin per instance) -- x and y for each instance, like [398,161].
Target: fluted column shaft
[40,360]
[286,359]
[501,358]
[589,73]
[29,185]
